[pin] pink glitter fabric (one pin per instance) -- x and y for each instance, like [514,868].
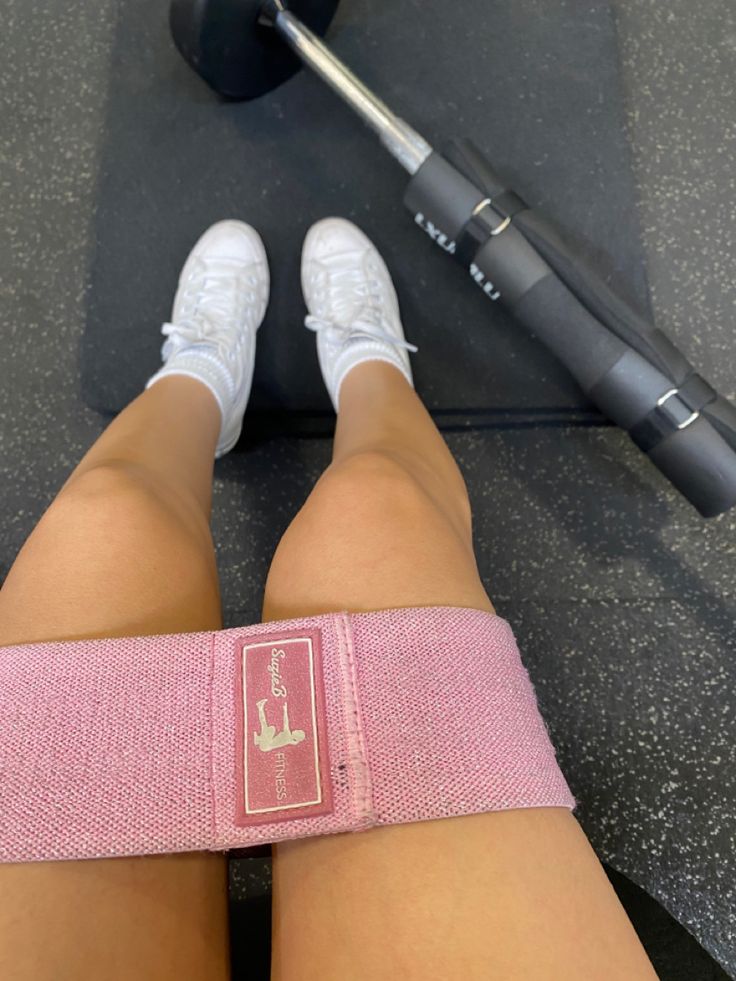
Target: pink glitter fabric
[210,741]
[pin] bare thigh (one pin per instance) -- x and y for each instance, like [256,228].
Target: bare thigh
[518,894]
[120,553]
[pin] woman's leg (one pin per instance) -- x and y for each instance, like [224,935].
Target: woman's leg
[509,895]
[125,549]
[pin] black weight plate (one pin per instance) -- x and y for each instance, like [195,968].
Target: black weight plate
[238,57]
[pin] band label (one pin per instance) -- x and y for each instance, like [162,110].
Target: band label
[283,768]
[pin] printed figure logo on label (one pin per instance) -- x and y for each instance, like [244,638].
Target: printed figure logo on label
[268,739]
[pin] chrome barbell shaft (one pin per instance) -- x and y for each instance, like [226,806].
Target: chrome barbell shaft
[403,142]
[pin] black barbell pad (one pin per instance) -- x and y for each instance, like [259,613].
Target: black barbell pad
[701,465]
[223,41]
[510,263]
[442,196]
[696,392]
[664,420]
[570,266]
[722,416]
[465,156]
[628,392]
[553,315]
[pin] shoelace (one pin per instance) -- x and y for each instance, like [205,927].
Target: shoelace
[317,324]
[217,295]
[342,286]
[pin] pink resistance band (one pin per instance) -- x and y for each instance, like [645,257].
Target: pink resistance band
[222,740]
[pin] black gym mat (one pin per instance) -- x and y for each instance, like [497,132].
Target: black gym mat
[534,82]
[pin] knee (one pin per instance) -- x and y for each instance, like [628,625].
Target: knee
[120,496]
[370,480]
[113,487]
[371,536]
[384,487]
[112,554]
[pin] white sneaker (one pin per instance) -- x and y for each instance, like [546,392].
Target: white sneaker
[352,303]
[219,306]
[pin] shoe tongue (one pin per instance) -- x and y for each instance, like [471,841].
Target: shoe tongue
[215,262]
[347,283]
[338,258]
[218,276]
